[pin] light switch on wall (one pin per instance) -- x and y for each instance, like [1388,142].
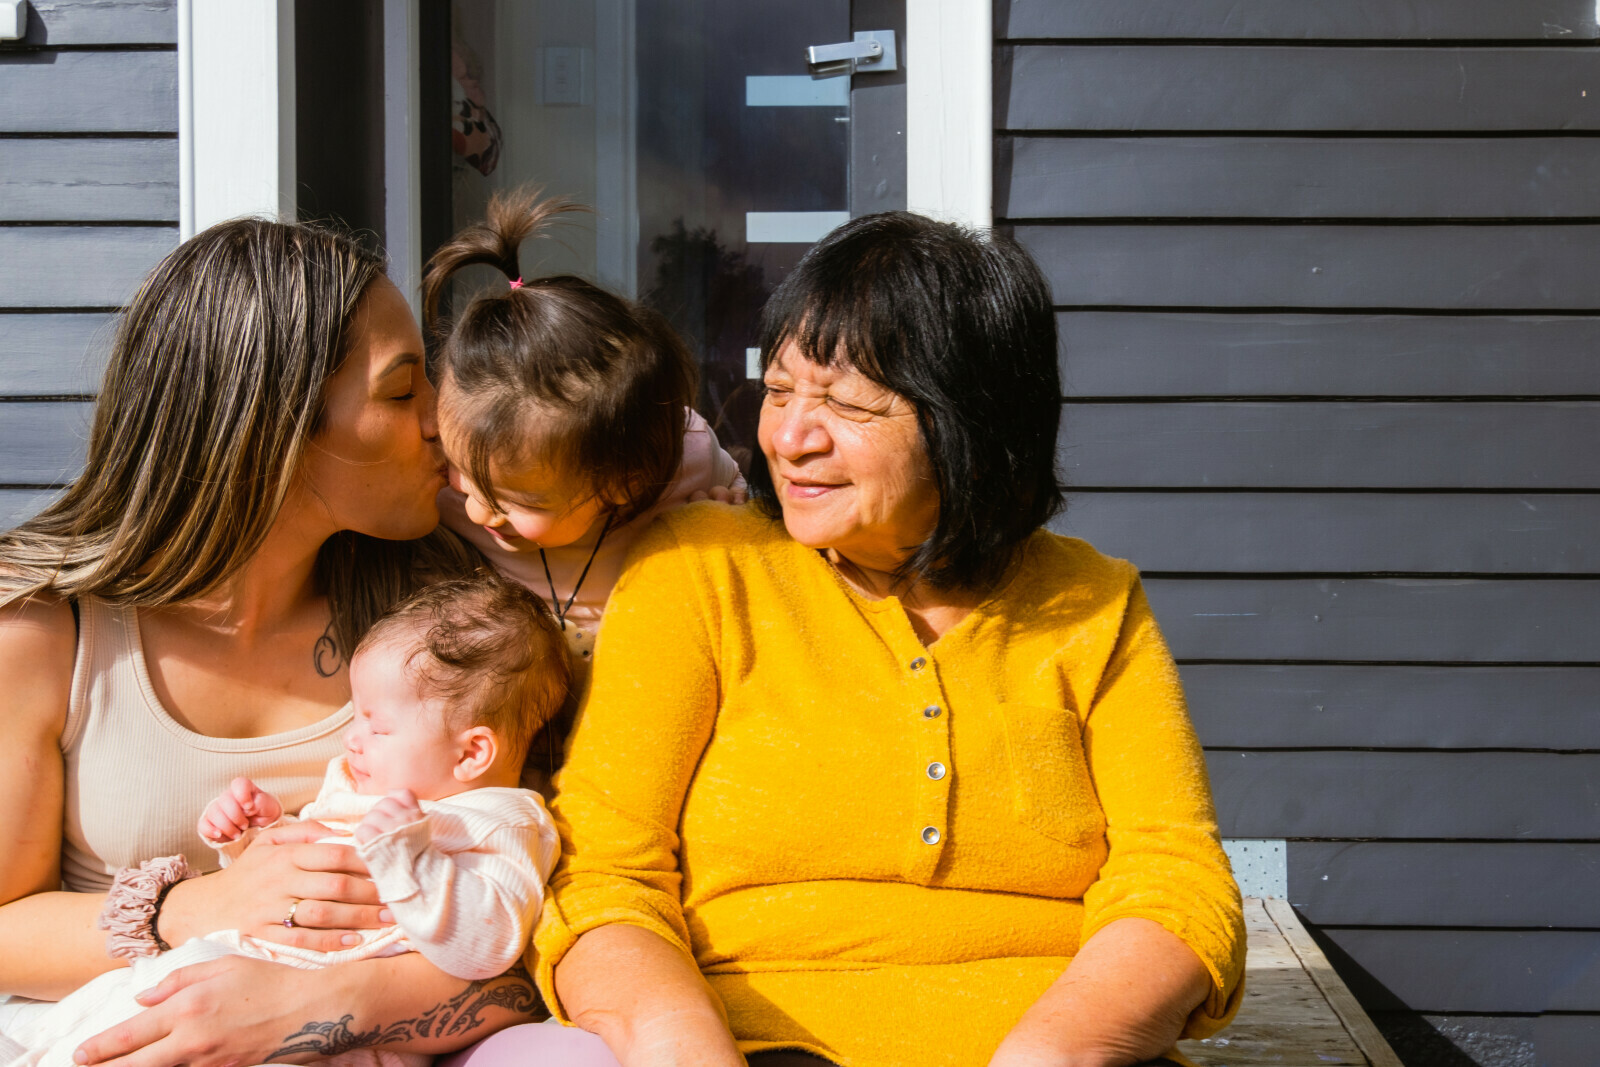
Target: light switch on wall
[566,75]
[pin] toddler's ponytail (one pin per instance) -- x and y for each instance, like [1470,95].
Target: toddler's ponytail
[558,368]
[512,218]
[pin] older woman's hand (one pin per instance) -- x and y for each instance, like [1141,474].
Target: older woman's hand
[1124,999]
[327,885]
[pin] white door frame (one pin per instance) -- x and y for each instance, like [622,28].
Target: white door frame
[950,110]
[236,126]
[402,149]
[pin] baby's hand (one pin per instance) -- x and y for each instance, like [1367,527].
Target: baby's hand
[244,805]
[722,494]
[392,812]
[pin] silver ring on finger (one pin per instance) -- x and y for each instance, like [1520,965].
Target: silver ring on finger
[288,920]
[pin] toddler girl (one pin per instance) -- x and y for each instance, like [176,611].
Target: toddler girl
[447,690]
[564,411]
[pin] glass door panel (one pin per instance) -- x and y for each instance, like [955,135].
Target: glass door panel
[710,155]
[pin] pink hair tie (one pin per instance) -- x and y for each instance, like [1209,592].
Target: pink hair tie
[517,284]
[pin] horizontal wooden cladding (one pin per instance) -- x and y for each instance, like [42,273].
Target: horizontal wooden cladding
[78,266]
[1326,533]
[102,22]
[1294,88]
[1451,883]
[19,504]
[42,443]
[1394,707]
[1297,177]
[89,92]
[1453,795]
[1469,970]
[1253,445]
[1532,20]
[88,179]
[1379,620]
[1137,353]
[53,355]
[1532,267]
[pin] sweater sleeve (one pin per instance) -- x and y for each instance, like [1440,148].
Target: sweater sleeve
[640,733]
[1165,862]
[469,912]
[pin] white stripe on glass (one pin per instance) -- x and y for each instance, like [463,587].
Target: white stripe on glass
[791,227]
[795,90]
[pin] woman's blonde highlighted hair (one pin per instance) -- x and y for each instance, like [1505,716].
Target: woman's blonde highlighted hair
[213,390]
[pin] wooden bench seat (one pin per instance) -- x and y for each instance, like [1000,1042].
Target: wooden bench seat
[1296,1012]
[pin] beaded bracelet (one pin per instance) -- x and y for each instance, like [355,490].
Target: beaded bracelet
[129,915]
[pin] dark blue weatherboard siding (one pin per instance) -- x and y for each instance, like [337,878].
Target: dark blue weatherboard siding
[1433,883]
[1504,445]
[53,353]
[89,178]
[43,441]
[1455,533]
[88,204]
[1252,353]
[1384,706]
[1524,267]
[1111,87]
[102,22]
[1299,177]
[1371,20]
[77,266]
[90,92]
[1325,278]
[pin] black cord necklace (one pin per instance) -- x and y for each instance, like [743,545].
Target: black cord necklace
[555,601]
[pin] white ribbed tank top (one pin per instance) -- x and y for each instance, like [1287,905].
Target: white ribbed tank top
[137,780]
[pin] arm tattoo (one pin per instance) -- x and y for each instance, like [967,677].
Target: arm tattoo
[461,1014]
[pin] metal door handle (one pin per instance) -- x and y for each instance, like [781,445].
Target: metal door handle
[871,52]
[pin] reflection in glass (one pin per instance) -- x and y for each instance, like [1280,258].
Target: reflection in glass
[677,120]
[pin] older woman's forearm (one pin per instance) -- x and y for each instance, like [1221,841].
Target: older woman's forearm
[645,999]
[1124,999]
[50,944]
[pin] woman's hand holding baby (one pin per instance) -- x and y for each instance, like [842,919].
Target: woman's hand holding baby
[398,809]
[328,886]
[243,805]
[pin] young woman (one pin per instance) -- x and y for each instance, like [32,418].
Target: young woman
[264,451]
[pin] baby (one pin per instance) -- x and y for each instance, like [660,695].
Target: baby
[447,690]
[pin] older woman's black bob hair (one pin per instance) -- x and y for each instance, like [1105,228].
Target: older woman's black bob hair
[960,324]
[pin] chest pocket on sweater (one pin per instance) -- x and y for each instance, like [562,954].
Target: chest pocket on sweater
[1051,789]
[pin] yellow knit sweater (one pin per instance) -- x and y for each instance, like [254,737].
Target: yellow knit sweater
[876,851]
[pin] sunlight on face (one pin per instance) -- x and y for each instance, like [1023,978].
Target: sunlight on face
[539,506]
[375,464]
[399,738]
[847,461]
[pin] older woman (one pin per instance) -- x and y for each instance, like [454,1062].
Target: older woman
[902,778]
